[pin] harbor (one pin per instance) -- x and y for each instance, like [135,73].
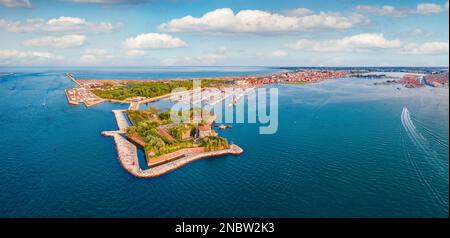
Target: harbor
[213,96]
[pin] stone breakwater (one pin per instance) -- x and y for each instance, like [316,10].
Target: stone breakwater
[126,152]
[175,164]
[127,155]
[122,122]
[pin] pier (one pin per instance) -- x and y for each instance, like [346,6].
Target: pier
[70,76]
[75,96]
[71,97]
[122,122]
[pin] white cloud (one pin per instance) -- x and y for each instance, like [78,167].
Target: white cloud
[371,42]
[387,10]
[299,12]
[72,24]
[432,48]
[356,43]
[15,3]
[418,32]
[10,54]
[153,41]
[279,53]
[66,41]
[428,8]
[15,57]
[255,21]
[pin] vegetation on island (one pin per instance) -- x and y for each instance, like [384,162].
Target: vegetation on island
[177,131]
[153,115]
[161,136]
[149,89]
[214,143]
[156,143]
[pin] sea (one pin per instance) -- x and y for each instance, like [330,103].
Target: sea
[344,148]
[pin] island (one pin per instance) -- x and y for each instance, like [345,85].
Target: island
[167,145]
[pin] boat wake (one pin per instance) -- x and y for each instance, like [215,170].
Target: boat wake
[44,101]
[421,143]
[437,138]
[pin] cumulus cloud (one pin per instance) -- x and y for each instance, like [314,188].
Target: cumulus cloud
[15,3]
[153,41]
[360,42]
[72,24]
[388,10]
[429,8]
[418,32]
[15,57]
[66,41]
[370,42]
[385,10]
[431,48]
[299,12]
[255,21]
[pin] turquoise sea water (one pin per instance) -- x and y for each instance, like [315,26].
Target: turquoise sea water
[340,151]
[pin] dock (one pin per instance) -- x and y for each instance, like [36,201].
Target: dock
[122,122]
[70,76]
[71,97]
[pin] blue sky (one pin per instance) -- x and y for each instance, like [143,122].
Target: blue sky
[221,32]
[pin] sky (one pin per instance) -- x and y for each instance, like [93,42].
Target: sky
[224,33]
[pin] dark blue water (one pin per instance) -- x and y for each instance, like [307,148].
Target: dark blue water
[340,151]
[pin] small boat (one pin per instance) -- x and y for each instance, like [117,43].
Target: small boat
[222,127]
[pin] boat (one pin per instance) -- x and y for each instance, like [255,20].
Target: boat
[222,127]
